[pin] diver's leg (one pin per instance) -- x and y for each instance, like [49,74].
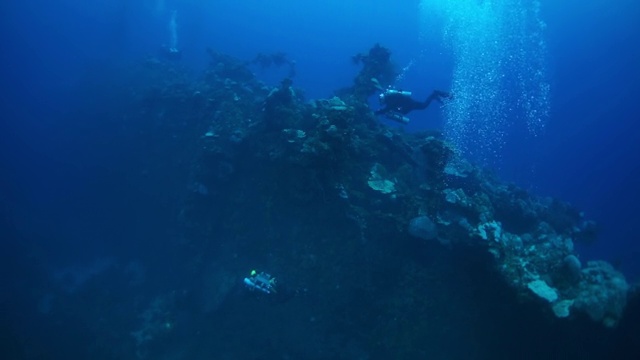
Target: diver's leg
[425,104]
[441,95]
[435,95]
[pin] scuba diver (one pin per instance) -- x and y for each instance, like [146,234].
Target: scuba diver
[398,103]
[170,53]
[263,282]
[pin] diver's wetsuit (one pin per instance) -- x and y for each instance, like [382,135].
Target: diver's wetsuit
[404,104]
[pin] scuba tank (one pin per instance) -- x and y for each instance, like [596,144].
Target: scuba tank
[397,117]
[397,92]
[393,92]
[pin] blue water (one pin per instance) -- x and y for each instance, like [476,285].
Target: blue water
[547,95]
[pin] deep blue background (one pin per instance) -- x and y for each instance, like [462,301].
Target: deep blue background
[64,184]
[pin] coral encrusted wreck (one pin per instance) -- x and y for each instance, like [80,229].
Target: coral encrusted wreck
[330,167]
